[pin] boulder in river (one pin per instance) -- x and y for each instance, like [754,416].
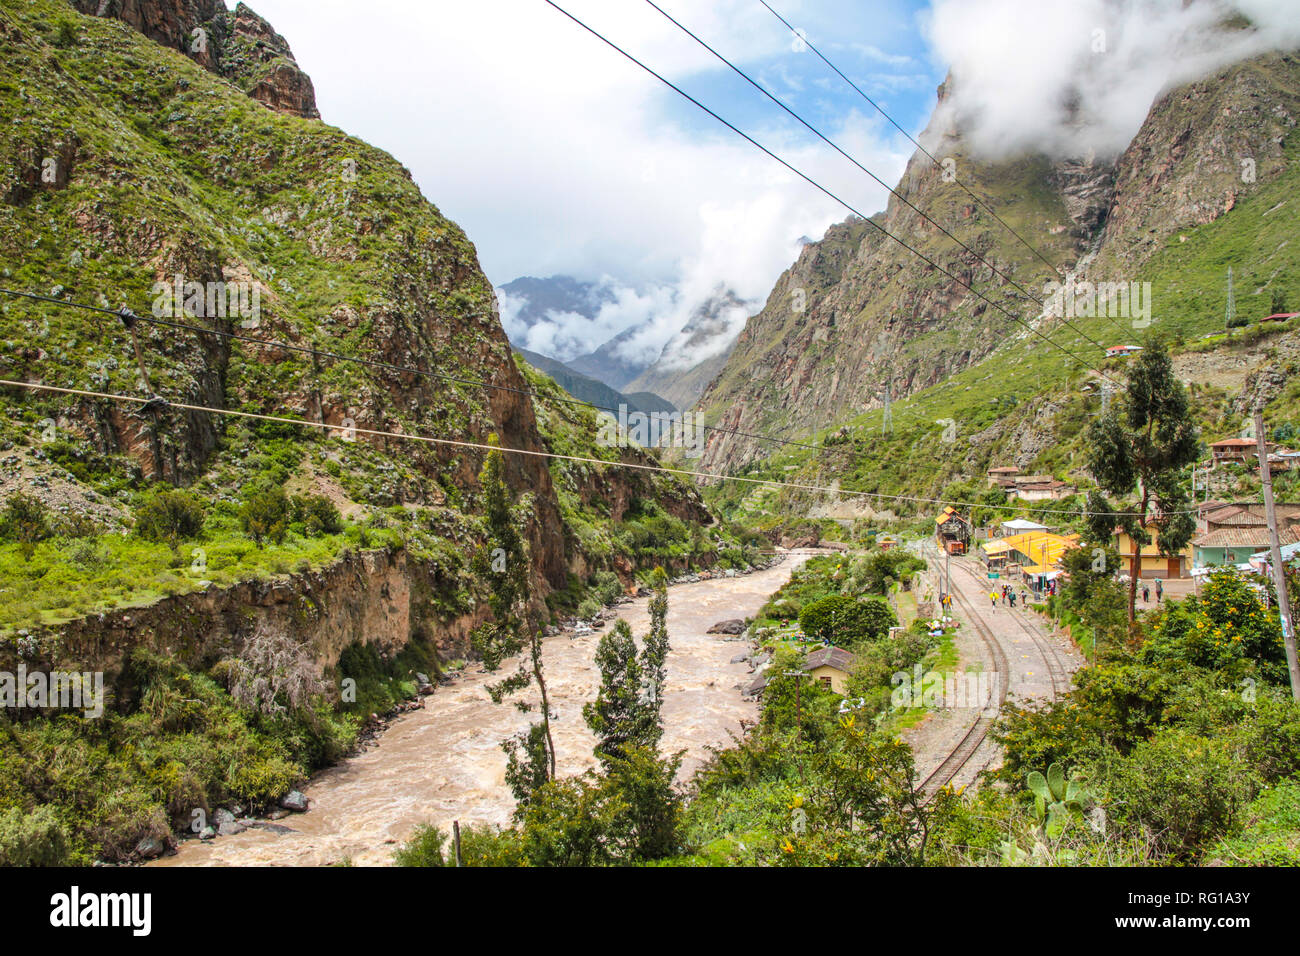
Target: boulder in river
[150,848]
[295,801]
[227,825]
[740,658]
[735,626]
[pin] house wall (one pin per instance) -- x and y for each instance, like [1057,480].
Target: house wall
[839,679]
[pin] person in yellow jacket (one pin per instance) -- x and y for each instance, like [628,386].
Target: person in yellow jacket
[993,596]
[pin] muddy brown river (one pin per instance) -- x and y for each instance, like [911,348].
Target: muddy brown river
[445,762]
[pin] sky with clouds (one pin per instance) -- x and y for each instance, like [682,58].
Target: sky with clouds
[559,156]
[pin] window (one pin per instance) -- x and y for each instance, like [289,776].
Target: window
[826,682]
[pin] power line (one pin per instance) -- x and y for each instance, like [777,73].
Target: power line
[835,146]
[156,402]
[804,176]
[984,205]
[128,316]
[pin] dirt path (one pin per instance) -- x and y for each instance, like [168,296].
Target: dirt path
[445,762]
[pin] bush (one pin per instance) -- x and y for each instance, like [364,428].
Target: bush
[588,609]
[843,620]
[32,839]
[317,514]
[170,517]
[1271,832]
[266,515]
[425,848]
[1187,790]
[26,520]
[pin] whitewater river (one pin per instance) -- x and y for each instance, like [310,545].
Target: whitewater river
[445,762]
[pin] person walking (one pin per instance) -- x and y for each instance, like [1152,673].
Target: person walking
[1146,594]
[1011,596]
[993,596]
[1160,591]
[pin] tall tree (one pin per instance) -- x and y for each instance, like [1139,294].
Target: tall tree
[616,716]
[654,657]
[503,562]
[1140,449]
[627,711]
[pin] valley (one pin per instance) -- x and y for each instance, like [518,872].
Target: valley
[965,530]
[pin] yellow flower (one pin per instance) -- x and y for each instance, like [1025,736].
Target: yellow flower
[787,846]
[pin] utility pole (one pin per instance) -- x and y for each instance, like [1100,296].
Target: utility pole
[1279,572]
[887,418]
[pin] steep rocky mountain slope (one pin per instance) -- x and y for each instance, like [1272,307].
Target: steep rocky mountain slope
[125,163]
[970,384]
[322,575]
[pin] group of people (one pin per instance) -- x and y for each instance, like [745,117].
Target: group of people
[1007,596]
[1146,592]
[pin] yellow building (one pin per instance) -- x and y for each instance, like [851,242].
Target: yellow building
[1154,564]
[830,666]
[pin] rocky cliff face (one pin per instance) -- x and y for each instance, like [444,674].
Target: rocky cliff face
[237,45]
[857,313]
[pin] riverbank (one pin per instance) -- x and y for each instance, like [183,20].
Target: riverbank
[444,762]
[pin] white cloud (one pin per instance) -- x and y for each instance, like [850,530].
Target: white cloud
[1069,76]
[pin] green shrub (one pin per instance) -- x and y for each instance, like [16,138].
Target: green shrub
[1186,790]
[317,514]
[33,838]
[425,848]
[170,517]
[1270,834]
[25,520]
[843,620]
[266,515]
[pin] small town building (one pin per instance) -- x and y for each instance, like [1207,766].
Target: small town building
[1243,450]
[1040,488]
[1002,476]
[1279,316]
[1116,351]
[830,667]
[1232,533]
[1152,564]
[1020,526]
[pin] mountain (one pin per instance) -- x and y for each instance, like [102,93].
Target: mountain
[696,354]
[1174,210]
[328,379]
[590,390]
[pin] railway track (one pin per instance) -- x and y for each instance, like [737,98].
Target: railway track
[1056,670]
[970,743]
